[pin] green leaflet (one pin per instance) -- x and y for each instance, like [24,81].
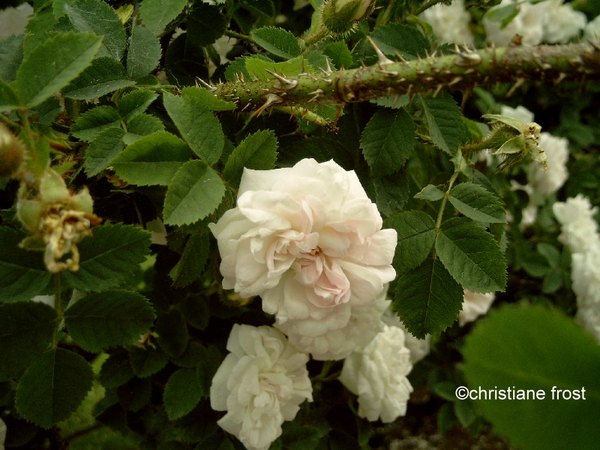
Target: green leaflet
[444,121]
[190,266]
[427,299]
[397,38]
[277,41]
[92,122]
[477,203]
[152,159]
[172,332]
[387,141]
[260,68]
[107,146]
[143,53]
[157,14]
[116,370]
[197,124]
[206,99]
[135,103]
[195,191]
[96,16]
[109,257]
[8,98]
[471,255]
[534,347]
[26,330]
[257,151]
[71,54]
[53,387]
[108,319]
[103,76]
[11,54]
[416,236]
[431,193]
[182,393]
[146,361]
[142,125]
[205,24]
[22,273]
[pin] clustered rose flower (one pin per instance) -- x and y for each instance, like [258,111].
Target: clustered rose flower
[579,232]
[378,376]
[260,384]
[310,243]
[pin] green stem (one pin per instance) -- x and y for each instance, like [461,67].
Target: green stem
[385,15]
[314,38]
[438,222]
[325,374]
[58,307]
[243,37]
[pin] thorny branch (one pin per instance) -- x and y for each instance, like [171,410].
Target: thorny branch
[463,69]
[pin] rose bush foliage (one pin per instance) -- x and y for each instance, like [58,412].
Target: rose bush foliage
[207,241]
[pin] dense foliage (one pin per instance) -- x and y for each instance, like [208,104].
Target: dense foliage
[153,155]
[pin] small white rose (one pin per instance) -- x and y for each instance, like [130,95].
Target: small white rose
[378,376]
[260,384]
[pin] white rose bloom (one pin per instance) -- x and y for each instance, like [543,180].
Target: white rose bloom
[519,113]
[578,226]
[14,20]
[579,232]
[474,305]
[377,375]
[528,23]
[450,23]
[419,348]
[586,276]
[337,343]
[554,176]
[260,384]
[308,240]
[562,22]
[592,29]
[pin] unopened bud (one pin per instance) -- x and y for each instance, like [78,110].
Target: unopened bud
[339,16]
[11,153]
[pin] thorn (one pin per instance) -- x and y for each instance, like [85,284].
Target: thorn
[315,95]
[270,100]
[388,73]
[401,58]
[515,86]
[561,76]
[438,89]
[208,86]
[285,82]
[245,107]
[382,60]
[454,81]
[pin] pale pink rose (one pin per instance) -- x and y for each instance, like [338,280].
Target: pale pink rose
[260,384]
[309,241]
[337,343]
[378,373]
